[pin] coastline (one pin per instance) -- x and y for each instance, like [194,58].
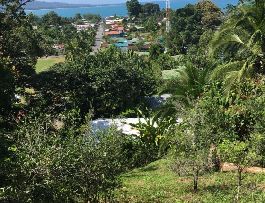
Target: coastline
[73,6]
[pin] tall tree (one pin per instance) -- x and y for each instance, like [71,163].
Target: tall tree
[134,8]
[19,47]
[189,23]
[150,9]
[52,19]
[211,14]
[241,38]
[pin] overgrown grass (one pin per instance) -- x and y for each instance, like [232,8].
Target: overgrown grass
[158,183]
[44,64]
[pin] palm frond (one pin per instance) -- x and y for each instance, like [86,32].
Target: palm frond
[222,70]
[230,79]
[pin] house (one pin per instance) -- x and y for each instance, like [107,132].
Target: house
[115,31]
[113,34]
[82,27]
[122,44]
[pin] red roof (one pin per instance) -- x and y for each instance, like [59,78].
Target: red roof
[112,33]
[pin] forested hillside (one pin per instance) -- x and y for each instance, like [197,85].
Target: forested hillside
[203,143]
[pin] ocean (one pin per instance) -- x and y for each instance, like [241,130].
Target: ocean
[120,9]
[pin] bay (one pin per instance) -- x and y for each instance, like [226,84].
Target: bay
[119,9]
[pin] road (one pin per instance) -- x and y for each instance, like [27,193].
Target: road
[99,37]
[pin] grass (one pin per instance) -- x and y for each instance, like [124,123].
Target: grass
[158,183]
[44,64]
[169,74]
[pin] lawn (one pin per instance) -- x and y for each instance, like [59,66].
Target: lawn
[44,64]
[158,183]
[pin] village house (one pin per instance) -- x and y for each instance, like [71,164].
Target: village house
[115,31]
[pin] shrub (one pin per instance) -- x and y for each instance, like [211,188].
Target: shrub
[68,165]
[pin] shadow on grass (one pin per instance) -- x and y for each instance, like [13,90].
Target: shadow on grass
[148,168]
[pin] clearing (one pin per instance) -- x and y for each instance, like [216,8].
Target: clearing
[156,182]
[44,64]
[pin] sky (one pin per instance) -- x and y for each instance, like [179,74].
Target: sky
[98,2]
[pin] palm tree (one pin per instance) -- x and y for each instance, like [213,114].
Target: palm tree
[189,83]
[242,39]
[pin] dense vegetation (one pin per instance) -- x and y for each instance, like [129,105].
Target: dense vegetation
[50,153]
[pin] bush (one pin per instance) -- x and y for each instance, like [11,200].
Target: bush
[69,165]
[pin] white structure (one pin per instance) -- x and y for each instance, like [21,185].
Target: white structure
[122,125]
[82,27]
[167,16]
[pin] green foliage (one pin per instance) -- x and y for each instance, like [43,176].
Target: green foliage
[211,15]
[51,19]
[99,82]
[165,62]
[79,46]
[241,153]
[240,43]
[67,165]
[133,7]
[156,182]
[192,146]
[92,18]
[156,50]
[151,24]
[19,42]
[153,131]
[188,84]
[7,89]
[149,9]
[189,23]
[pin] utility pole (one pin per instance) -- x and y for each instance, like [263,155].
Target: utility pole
[167,20]
[167,16]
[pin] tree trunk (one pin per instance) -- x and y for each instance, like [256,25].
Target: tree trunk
[239,183]
[195,180]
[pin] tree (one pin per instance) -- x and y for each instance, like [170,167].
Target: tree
[189,23]
[92,18]
[99,82]
[7,90]
[51,19]
[192,146]
[78,17]
[79,46]
[156,50]
[151,24]
[133,7]
[242,39]
[165,62]
[150,9]
[19,49]
[189,83]
[241,153]
[211,15]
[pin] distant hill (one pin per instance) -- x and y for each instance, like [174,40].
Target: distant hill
[35,5]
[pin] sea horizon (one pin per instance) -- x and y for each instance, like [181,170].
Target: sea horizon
[115,9]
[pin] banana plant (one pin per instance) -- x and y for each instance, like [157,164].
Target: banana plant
[153,129]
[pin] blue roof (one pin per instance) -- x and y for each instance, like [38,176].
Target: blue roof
[125,44]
